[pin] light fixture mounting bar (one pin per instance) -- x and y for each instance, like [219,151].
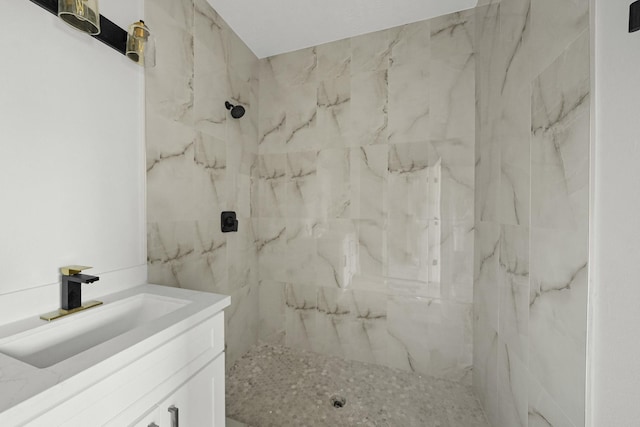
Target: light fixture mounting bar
[110,34]
[634,16]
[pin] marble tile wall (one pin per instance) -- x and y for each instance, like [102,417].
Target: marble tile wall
[200,161]
[412,197]
[366,197]
[531,223]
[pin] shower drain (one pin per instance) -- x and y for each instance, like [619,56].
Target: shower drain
[338,401]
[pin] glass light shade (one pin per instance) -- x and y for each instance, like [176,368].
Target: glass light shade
[82,15]
[141,45]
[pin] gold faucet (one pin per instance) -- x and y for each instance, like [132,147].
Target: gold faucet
[71,292]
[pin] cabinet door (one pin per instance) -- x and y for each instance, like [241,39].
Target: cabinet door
[199,402]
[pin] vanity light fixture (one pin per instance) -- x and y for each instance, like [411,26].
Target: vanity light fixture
[109,33]
[141,45]
[83,15]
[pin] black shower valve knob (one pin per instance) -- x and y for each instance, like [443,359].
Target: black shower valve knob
[228,221]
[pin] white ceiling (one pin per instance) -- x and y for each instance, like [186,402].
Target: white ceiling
[270,27]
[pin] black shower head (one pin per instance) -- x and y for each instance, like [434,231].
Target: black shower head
[237,111]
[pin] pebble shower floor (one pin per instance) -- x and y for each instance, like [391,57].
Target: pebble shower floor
[276,386]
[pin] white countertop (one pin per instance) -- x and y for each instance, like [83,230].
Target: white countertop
[26,388]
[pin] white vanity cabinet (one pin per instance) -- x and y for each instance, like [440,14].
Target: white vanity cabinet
[196,391]
[198,402]
[175,361]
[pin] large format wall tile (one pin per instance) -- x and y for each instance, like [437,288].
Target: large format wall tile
[371,52]
[560,141]
[558,316]
[210,178]
[486,290]
[301,313]
[273,114]
[369,104]
[302,185]
[371,249]
[242,254]
[301,252]
[301,111]
[408,85]
[488,60]
[485,367]
[369,177]
[210,30]
[170,246]
[272,311]
[295,69]
[171,169]
[559,238]
[337,261]
[555,25]
[513,269]
[409,229]
[272,190]
[512,389]
[452,98]
[333,179]
[486,306]
[515,159]
[169,85]
[241,323]
[210,116]
[434,336]
[453,34]
[353,324]
[333,126]
[543,410]
[515,61]
[271,248]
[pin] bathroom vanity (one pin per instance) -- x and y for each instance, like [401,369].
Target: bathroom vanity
[148,356]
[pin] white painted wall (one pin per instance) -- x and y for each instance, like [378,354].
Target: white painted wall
[614,348]
[71,150]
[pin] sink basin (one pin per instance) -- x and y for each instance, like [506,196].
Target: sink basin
[51,343]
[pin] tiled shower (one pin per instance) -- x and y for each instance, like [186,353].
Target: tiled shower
[414,197]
